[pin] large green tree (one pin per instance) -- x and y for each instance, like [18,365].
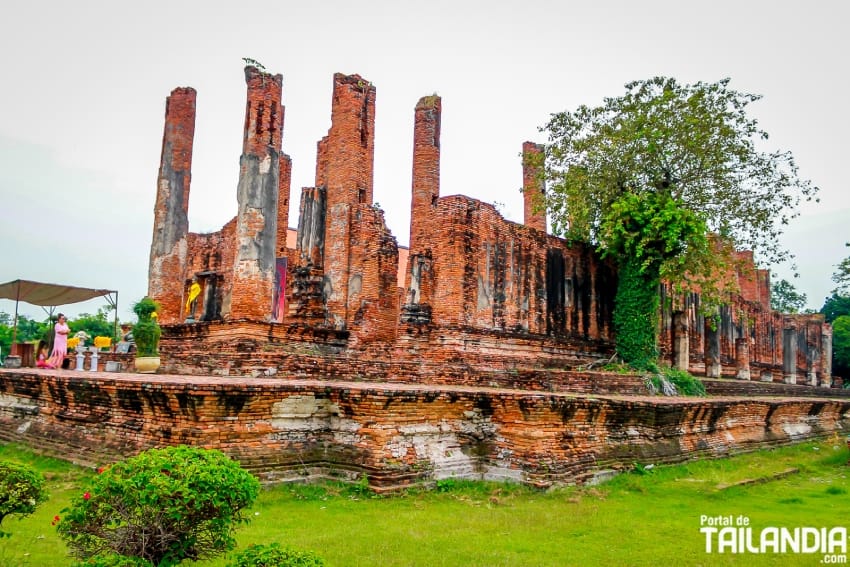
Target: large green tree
[697,153]
[785,298]
[835,306]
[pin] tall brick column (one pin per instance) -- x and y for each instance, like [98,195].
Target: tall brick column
[251,292]
[171,220]
[711,350]
[426,171]
[789,351]
[424,195]
[763,277]
[742,358]
[826,354]
[532,186]
[347,162]
[681,340]
[814,344]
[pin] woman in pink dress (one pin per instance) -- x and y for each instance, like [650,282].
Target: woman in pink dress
[60,342]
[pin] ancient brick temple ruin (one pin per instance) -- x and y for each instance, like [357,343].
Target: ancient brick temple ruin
[473,288]
[332,350]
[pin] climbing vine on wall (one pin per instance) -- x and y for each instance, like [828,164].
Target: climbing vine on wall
[648,233]
[636,315]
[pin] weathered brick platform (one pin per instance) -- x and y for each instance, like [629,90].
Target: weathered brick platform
[396,433]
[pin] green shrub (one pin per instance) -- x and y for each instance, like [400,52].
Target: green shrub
[685,383]
[21,491]
[113,560]
[146,332]
[163,505]
[274,555]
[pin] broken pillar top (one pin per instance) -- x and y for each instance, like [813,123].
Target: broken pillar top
[430,101]
[253,74]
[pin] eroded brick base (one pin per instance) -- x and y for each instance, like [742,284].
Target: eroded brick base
[396,433]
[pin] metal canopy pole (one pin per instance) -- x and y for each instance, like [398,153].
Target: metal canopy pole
[15,325]
[114,304]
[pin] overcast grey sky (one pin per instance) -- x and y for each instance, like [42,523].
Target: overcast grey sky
[84,87]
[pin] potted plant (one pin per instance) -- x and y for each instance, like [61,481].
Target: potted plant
[146,336]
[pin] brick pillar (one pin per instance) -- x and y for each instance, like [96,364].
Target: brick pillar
[712,348]
[814,370]
[763,277]
[826,354]
[789,352]
[425,192]
[681,342]
[532,186]
[171,220]
[426,172]
[259,185]
[322,162]
[349,159]
[742,358]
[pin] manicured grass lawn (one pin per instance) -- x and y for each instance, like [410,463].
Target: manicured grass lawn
[635,519]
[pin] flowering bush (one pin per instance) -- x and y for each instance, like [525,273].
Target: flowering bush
[73,343]
[103,342]
[21,491]
[163,506]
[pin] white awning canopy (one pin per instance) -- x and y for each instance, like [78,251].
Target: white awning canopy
[48,294]
[51,295]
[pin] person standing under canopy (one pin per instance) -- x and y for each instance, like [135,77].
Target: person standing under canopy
[60,342]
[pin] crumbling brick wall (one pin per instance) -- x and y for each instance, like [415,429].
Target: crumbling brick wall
[240,260]
[210,262]
[776,346]
[469,267]
[490,273]
[347,271]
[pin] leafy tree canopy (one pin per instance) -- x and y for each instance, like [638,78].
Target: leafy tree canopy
[693,142]
[835,306]
[21,491]
[785,298]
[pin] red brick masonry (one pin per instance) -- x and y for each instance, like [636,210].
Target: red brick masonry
[395,433]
